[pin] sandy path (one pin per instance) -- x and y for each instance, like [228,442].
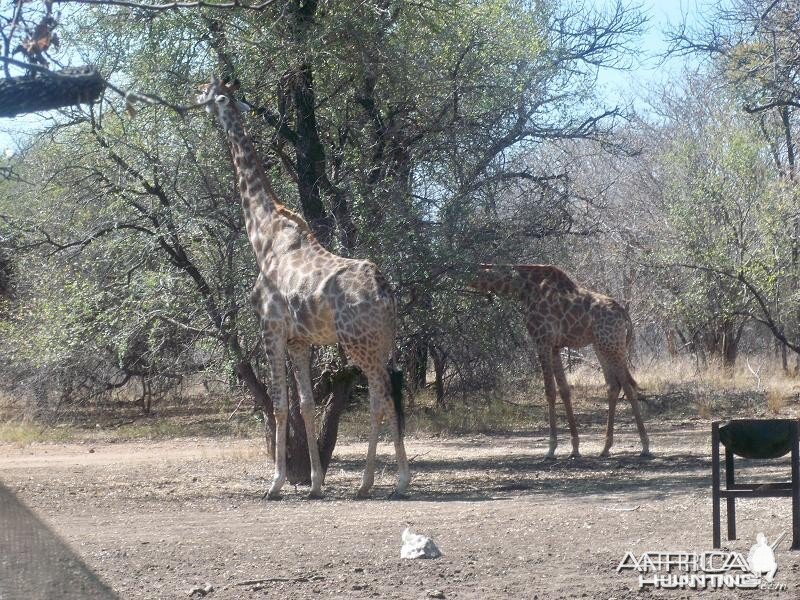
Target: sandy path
[154,519]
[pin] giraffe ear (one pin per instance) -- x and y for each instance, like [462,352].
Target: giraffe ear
[221,99]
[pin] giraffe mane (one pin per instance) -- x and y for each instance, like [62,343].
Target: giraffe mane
[294,217]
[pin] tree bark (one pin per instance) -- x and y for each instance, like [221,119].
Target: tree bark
[298,461]
[340,385]
[439,357]
[310,156]
[723,344]
[262,399]
[730,350]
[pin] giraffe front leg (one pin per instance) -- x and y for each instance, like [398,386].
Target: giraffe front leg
[280,399]
[546,362]
[301,360]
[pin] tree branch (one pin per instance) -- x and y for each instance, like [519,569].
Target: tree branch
[173,5]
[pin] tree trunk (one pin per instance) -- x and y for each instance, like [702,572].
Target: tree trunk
[262,400]
[672,349]
[439,358]
[310,156]
[298,461]
[730,350]
[312,180]
[336,388]
[784,358]
[723,344]
[340,389]
[416,362]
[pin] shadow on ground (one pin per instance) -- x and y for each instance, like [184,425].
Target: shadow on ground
[35,563]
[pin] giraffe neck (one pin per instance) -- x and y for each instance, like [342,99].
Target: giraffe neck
[259,202]
[501,281]
[512,285]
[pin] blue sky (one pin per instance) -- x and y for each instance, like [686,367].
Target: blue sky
[617,87]
[632,86]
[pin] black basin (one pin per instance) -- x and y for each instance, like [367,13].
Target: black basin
[758,438]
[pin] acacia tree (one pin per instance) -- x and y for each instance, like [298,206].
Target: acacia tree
[398,130]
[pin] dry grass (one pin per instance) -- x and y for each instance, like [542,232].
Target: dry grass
[776,401]
[670,389]
[756,387]
[669,375]
[25,433]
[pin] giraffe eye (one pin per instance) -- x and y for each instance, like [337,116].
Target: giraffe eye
[223,100]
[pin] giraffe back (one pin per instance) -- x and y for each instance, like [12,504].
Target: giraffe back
[549,276]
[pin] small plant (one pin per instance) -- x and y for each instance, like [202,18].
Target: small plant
[705,406]
[776,401]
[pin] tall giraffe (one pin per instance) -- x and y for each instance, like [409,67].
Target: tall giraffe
[306,295]
[560,314]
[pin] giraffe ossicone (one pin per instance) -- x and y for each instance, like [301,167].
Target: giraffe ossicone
[305,296]
[560,314]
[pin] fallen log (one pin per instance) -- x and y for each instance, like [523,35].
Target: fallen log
[46,90]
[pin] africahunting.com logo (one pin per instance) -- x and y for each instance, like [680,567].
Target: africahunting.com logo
[707,570]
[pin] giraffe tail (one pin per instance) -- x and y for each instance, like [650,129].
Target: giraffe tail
[630,378]
[629,333]
[629,338]
[396,381]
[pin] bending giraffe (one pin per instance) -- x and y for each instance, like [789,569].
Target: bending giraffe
[306,295]
[560,314]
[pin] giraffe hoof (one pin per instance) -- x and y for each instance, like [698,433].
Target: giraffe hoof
[312,495]
[549,457]
[363,494]
[647,454]
[271,496]
[604,454]
[397,495]
[575,456]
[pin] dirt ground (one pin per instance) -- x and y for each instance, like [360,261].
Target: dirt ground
[156,519]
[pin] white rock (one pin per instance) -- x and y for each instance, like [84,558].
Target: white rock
[417,546]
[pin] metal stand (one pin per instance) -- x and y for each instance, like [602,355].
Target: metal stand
[735,490]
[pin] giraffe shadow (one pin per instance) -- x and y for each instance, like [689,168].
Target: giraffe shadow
[624,475]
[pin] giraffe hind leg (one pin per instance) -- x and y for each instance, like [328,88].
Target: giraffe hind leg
[629,386]
[381,405]
[614,387]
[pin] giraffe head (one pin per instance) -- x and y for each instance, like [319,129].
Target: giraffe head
[220,101]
